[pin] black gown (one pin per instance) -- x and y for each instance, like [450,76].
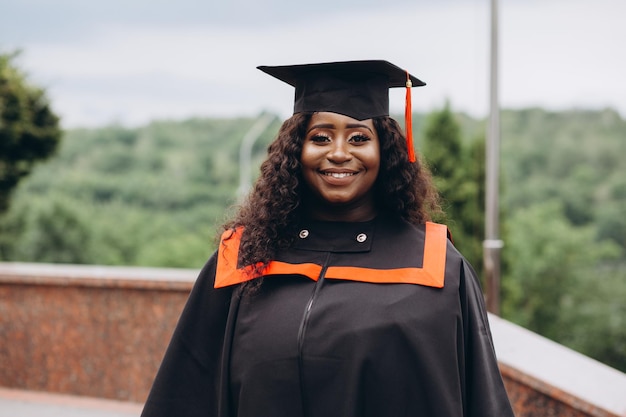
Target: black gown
[379,318]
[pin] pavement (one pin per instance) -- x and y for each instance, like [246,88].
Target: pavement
[20,403]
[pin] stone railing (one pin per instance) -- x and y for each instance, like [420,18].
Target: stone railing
[102,331]
[544,378]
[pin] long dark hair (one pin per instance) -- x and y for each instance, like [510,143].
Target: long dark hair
[273,208]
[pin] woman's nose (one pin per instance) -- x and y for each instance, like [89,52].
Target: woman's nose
[339,152]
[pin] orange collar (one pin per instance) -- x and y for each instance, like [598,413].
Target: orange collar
[431,273]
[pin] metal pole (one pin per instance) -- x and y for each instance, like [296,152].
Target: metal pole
[492,245]
[245,153]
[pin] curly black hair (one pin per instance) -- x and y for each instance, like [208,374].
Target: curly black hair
[273,208]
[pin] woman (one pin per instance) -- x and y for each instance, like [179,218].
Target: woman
[330,293]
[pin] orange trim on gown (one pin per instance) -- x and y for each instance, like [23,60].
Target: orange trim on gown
[431,274]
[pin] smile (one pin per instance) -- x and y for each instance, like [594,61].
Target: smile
[339,174]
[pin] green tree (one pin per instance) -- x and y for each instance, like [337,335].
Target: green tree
[442,146]
[29,130]
[459,176]
[53,229]
[552,259]
[594,315]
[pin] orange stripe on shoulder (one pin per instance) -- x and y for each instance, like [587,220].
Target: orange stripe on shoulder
[228,273]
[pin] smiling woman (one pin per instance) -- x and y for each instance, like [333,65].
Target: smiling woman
[340,161]
[331,293]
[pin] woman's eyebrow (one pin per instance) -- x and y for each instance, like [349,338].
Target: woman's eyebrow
[321,126]
[358,126]
[332,126]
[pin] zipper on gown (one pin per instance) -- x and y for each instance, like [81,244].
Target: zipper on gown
[302,330]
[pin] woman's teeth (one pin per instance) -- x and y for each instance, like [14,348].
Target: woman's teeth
[339,174]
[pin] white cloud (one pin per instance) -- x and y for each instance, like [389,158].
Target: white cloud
[555,54]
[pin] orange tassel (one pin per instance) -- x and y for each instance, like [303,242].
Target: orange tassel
[408,119]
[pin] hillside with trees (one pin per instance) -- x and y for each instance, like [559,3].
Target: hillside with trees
[157,195]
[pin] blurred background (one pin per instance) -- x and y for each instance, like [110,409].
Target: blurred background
[123,122]
[130,62]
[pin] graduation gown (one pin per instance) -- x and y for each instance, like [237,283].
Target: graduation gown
[371,319]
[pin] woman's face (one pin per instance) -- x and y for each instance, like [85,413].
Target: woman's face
[340,162]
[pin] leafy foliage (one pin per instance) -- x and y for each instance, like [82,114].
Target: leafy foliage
[29,130]
[458,169]
[563,198]
[565,204]
[150,196]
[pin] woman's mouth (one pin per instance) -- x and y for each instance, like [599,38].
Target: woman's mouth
[339,174]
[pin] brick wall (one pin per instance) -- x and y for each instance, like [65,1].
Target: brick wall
[102,332]
[91,331]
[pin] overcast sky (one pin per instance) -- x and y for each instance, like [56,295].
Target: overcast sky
[131,61]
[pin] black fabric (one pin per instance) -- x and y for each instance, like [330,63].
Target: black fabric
[335,348]
[359,89]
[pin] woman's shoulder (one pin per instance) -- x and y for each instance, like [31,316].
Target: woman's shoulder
[394,226]
[407,234]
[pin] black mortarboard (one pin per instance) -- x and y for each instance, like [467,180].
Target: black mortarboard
[358,89]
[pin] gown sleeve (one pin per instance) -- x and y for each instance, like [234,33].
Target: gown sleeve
[484,389]
[187,383]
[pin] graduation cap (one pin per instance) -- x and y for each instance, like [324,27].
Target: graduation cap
[358,89]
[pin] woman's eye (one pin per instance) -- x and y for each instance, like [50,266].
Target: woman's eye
[319,138]
[359,138]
